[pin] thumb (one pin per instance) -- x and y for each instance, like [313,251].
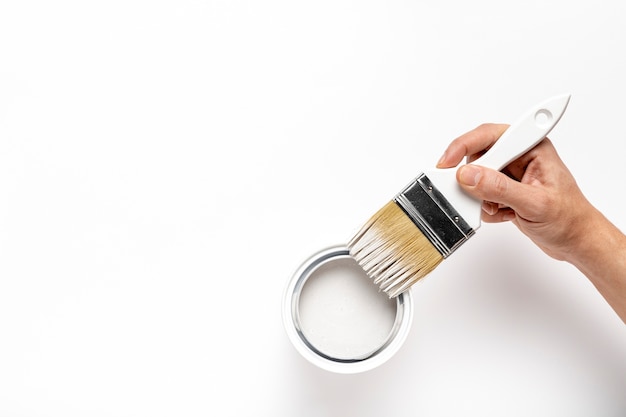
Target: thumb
[490,185]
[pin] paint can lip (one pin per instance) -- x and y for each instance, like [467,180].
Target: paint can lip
[291,320]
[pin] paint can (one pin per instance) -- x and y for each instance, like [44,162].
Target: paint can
[337,319]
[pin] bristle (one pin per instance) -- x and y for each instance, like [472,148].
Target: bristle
[393,251]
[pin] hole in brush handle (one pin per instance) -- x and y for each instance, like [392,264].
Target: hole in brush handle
[525,133]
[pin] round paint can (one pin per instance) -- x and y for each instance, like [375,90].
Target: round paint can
[337,319]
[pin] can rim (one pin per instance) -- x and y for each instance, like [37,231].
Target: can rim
[291,320]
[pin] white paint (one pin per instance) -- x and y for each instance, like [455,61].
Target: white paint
[342,313]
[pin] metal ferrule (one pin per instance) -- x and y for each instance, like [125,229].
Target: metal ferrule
[434,215]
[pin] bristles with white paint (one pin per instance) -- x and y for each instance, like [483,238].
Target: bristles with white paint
[393,251]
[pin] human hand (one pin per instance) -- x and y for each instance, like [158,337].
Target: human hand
[536,192]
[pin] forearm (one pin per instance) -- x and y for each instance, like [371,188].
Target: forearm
[601,257]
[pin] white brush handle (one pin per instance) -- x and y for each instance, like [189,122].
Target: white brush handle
[524,134]
[518,139]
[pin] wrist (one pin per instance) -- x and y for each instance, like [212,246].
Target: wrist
[594,242]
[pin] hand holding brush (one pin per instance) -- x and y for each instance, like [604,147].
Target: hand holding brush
[538,194]
[433,216]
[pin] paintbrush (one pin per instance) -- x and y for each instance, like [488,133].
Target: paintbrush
[432,217]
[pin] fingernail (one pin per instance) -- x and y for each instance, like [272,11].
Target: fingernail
[489,208]
[509,216]
[469,175]
[442,160]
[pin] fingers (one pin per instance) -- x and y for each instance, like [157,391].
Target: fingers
[506,195]
[499,191]
[496,213]
[490,207]
[471,143]
[545,150]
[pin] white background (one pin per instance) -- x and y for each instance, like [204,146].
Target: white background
[166,165]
